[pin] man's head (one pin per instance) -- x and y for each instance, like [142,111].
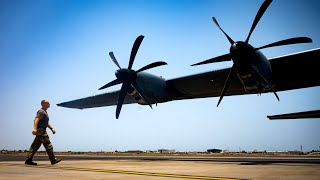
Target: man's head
[45,104]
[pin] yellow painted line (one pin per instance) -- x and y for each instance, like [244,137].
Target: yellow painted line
[121,172]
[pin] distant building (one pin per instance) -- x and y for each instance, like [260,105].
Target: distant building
[214,150]
[166,150]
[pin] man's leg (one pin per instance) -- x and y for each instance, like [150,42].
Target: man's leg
[49,148]
[33,149]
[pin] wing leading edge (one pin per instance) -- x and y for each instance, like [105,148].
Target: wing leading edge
[106,99]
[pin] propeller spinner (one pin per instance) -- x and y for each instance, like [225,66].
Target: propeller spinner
[128,76]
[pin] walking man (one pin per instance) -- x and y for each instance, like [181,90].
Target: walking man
[41,122]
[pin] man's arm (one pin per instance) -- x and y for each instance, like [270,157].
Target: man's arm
[35,125]
[51,128]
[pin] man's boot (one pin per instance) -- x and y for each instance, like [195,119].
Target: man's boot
[55,161]
[52,157]
[30,162]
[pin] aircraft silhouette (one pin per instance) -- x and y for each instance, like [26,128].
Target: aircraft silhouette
[256,74]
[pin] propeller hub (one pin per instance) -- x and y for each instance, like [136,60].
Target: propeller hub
[126,75]
[241,53]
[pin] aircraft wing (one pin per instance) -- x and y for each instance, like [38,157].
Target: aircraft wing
[294,71]
[297,115]
[106,99]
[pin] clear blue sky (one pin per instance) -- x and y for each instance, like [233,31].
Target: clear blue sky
[57,50]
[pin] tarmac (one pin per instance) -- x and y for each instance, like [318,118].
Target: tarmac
[161,167]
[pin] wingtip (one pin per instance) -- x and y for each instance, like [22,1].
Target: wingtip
[60,104]
[310,40]
[270,117]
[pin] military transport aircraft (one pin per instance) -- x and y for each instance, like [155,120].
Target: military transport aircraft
[256,74]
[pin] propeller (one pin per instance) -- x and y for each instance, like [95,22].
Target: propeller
[127,77]
[239,51]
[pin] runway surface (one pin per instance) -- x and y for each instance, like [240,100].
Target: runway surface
[161,167]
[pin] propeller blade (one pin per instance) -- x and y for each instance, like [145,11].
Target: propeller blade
[152,65]
[230,77]
[136,87]
[260,13]
[216,22]
[296,40]
[134,50]
[114,59]
[122,96]
[112,83]
[265,80]
[222,58]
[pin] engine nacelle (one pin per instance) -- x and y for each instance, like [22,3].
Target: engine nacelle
[153,88]
[254,77]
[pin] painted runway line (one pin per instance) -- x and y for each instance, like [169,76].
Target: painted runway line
[121,172]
